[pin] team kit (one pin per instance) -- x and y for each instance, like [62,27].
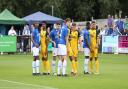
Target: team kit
[64,39]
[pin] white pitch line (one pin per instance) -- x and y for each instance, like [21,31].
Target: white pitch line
[4,87]
[34,85]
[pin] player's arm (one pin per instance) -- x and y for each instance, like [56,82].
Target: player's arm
[67,40]
[50,36]
[47,38]
[53,42]
[32,39]
[88,42]
[97,39]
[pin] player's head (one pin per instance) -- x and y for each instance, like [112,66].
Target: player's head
[43,26]
[88,25]
[58,26]
[73,27]
[68,22]
[36,24]
[93,25]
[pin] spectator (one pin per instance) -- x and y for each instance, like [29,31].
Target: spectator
[12,31]
[26,33]
[116,31]
[120,26]
[110,25]
[26,30]
[102,31]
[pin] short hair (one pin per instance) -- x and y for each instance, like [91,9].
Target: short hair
[88,23]
[73,24]
[67,19]
[43,23]
[58,23]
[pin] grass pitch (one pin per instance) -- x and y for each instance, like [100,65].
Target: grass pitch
[16,73]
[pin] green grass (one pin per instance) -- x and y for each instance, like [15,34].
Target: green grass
[15,73]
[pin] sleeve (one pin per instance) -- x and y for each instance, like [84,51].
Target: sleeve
[66,32]
[89,38]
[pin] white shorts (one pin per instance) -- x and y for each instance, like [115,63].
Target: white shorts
[55,52]
[35,51]
[62,50]
[86,52]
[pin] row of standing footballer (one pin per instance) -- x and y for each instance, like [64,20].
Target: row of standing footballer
[65,43]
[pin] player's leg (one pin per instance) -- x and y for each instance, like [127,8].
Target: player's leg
[64,57]
[96,61]
[71,58]
[43,63]
[86,61]
[34,66]
[70,54]
[91,62]
[47,62]
[75,53]
[76,64]
[64,65]
[35,63]
[60,60]
[53,64]
[59,66]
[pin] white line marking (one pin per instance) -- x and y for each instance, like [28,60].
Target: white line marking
[4,87]
[34,85]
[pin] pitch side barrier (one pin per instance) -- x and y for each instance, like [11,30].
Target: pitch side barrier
[114,44]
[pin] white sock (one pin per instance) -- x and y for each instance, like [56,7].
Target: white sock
[64,67]
[59,66]
[53,66]
[34,67]
[86,64]
[37,66]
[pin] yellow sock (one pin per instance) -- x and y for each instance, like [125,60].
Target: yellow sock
[76,65]
[44,66]
[72,66]
[97,66]
[91,66]
[48,66]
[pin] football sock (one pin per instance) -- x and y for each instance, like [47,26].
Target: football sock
[44,66]
[48,66]
[97,66]
[72,70]
[76,66]
[59,66]
[53,66]
[64,67]
[86,64]
[37,66]
[91,66]
[34,67]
